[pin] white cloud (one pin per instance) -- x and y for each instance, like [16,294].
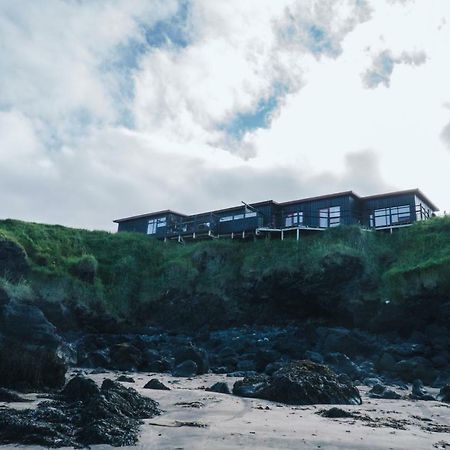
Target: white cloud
[236,100]
[383,66]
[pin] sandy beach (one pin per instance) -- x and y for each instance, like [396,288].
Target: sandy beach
[197,419]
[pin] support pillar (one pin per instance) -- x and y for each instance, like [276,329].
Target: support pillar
[298,234]
[282,235]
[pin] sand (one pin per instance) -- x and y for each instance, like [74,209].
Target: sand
[196,419]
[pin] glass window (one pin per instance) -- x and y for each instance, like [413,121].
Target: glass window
[330,217]
[161,222]
[250,214]
[226,219]
[151,227]
[238,216]
[385,217]
[294,219]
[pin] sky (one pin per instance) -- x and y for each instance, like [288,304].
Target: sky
[112,108]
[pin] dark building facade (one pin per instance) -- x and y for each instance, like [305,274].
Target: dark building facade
[379,212]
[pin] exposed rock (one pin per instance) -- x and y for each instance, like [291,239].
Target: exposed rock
[335,413]
[380,391]
[111,416]
[13,259]
[125,379]
[195,354]
[220,387]
[80,388]
[125,356]
[419,392]
[156,384]
[444,394]
[415,368]
[299,383]
[185,369]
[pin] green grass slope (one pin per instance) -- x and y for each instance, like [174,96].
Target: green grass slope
[340,272]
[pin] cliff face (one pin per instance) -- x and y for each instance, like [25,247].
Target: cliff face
[365,303]
[100,282]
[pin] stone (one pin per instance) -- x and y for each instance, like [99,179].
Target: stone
[299,383]
[185,369]
[13,259]
[419,392]
[380,391]
[125,356]
[110,416]
[219,387]
[80,388]
[444,394]
[125,379]
[10,397]
[156,384]
[195,354]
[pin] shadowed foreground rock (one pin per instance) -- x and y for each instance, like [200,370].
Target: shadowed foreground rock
[82,416]
[299,383]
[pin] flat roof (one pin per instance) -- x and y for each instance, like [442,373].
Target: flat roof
[320,197]
[415,191]
[157,213]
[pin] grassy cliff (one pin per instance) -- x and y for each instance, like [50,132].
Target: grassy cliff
[345,275]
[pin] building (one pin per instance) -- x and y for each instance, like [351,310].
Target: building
[379,212]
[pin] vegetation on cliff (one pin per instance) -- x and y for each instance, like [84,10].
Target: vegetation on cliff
[347,275]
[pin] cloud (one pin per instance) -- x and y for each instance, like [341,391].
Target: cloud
[230,81]
[383,66]
[445,136]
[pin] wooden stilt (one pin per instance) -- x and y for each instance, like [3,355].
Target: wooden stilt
[298,234]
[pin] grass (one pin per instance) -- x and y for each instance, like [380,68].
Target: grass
[126,273]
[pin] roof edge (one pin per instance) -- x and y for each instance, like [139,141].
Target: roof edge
[152,214]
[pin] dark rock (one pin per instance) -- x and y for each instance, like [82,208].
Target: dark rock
[156,384]
[111,416]
[335,413]
[22,367]
[10,397]
[419,392]
[380,391]
[299,383]
[125,379]
[246,365]
[342,364]
[185,369]
[444,394]
[13,259]
[220,387]
[415,368]
[385,362]
[242,374]
[314,357]
[195,354]
[80,388]
[25,322]
[125,356]
[160,366]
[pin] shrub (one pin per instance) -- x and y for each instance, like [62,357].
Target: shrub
[85,267]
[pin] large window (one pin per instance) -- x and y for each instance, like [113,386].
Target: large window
[153,224]
[294,219]
[330,217]
[385,217]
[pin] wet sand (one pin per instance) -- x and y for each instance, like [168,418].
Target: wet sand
[196,419]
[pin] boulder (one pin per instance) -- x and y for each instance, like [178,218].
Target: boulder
[380,391]
[190,352]
[419,392]
[125,379]
[186,369]
[80,388]
[444,394]
[125,356]
[13,259]
[415,368]
[156,384]
[219,387]
[109,416]
[299,383]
